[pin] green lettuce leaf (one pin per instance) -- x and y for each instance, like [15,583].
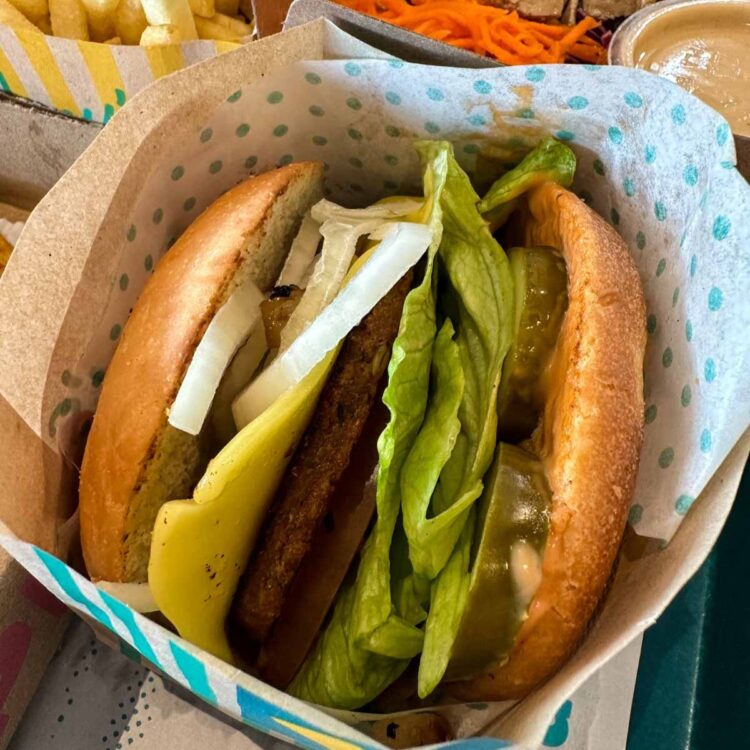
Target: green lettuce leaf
[550,160]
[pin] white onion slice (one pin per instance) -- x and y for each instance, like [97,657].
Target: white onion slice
[339,246]
[137,596]
[230,327]
[237,376]
[301,254]
[400,249]
[325,210]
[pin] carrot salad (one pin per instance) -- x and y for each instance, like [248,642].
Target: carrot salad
[487,30]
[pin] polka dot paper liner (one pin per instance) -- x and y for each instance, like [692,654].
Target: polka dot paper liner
[653,161]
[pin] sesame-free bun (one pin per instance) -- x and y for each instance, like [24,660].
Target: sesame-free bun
[134,461]
[589,438]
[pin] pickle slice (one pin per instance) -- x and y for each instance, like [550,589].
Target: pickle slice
[541,298]
[511,535]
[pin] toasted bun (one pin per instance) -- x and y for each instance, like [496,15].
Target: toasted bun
[590,438]
[134,461]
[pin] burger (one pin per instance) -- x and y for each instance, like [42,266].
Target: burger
[336,442]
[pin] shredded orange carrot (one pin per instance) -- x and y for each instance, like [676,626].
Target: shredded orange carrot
[487,30]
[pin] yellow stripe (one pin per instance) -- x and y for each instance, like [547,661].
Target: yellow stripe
[104,72]
[225,46]
[332,743]
[41,58]
[165,60]
[11,77]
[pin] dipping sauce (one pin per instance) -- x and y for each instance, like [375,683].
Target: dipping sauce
[705,48]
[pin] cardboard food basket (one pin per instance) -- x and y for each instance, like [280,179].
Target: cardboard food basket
[652,159]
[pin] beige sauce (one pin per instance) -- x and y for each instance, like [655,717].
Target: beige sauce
[706,50]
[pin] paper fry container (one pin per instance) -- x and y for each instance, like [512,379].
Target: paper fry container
[652,160]
[86,79]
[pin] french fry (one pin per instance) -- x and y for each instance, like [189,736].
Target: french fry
[11,16]
[158,36]
[68,19]
[100,14]
[228,7]
[130,21]
[171,13]
[5,250]
[113,40]
[209,29]
[44,25]
[237,27]
[202,8]
[32,9]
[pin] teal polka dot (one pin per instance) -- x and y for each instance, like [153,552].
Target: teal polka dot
[392,160]
[158,216]
[353,103]
[316,111]
[392,131]
[319,140]
[666,457]
[635,514]
[686,396]
[614,215]
[650,154]
[721,228]
[115,331]
[235,96]
[242,130]
[650,415]
[615,135]
[286,159]
[124,281]
[477,121]
[709,370]
[280,130]
[629,187]
[727,165]
[120,97]
[250,162]
[578,102]
[392,98]
[354,134]
[565,135]
[189,204]
[206,135]
[215,166]
[640,240]
[683,503]
[715,299]
[432,127]
[661,266]
[275,97]
[678,114]
[436,95]
[483,87]
[177,173]
[690,175]
[651,323]
[535,75]
[352,69]
[471,148]
[313,78]
[688,331]
[660,211]
[131,233]
[355,162]
[599,167]
[693,265]
[675,296]
[526,113]
[722,134]
[394,63]
[706,441]
[148,263]
[667,357]
[97,378]
[633,100]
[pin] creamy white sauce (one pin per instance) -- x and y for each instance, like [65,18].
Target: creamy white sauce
[526,570]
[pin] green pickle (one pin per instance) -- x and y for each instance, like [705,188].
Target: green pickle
[513,512]
[541,299]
